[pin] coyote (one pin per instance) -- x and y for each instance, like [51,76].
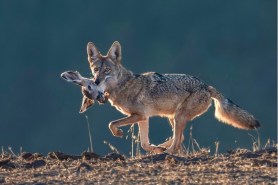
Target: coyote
[89,89]
[178,97]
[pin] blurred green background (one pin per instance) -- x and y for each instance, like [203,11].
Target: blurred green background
[228,44]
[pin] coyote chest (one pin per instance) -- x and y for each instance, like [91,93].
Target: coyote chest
[120,107]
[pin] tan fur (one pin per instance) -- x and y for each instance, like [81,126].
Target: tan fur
[179,97]
[230,113]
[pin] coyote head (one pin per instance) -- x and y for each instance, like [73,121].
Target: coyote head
[105,68]
[89,90]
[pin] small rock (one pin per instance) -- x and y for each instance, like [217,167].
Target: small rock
[38,163]
[35,164]
[2,180]
[89,155]
[85,166]
[4,162]
[61,156]
[27,155]
[37,155]
[114,156]
[171,159]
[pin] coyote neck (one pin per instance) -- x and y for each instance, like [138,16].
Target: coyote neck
[123,77]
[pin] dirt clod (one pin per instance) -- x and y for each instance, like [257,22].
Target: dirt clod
[35,164]
[61,156]
[4,162]
[114,157]
[89,155]
[84,166]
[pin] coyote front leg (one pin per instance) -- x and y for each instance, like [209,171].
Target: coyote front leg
[113,126]
[144,138]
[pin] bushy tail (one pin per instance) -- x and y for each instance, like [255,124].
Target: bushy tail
[228,112]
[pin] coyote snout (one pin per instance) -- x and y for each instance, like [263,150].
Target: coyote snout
[89,89]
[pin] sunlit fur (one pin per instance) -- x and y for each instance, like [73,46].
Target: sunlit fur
[178,97]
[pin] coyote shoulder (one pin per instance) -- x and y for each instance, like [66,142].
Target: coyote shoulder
[178,97]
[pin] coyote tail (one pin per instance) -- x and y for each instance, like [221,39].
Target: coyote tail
[228,112]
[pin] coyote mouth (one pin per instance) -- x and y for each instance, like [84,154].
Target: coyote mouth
[101,98]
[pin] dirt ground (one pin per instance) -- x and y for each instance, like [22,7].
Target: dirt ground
[235,167]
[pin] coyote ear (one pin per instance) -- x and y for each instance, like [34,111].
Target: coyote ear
[115,52]
[92,52]
[86,103]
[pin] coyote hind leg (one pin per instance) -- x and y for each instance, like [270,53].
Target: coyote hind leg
[179,125]
[195,105]
[168,143]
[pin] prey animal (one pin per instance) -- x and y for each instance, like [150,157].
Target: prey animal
[89,89]
[178,97]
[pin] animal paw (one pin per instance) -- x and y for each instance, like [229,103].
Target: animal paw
[117,132]
[169,151]
[158,150]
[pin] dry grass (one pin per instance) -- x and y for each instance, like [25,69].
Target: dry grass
[236,167]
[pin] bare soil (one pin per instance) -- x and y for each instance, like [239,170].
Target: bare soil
[235,167]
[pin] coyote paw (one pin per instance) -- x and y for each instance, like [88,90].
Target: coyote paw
[116,131]
[169,151]
[158,150]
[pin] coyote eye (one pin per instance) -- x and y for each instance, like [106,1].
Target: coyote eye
[95,69]
[107,70]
